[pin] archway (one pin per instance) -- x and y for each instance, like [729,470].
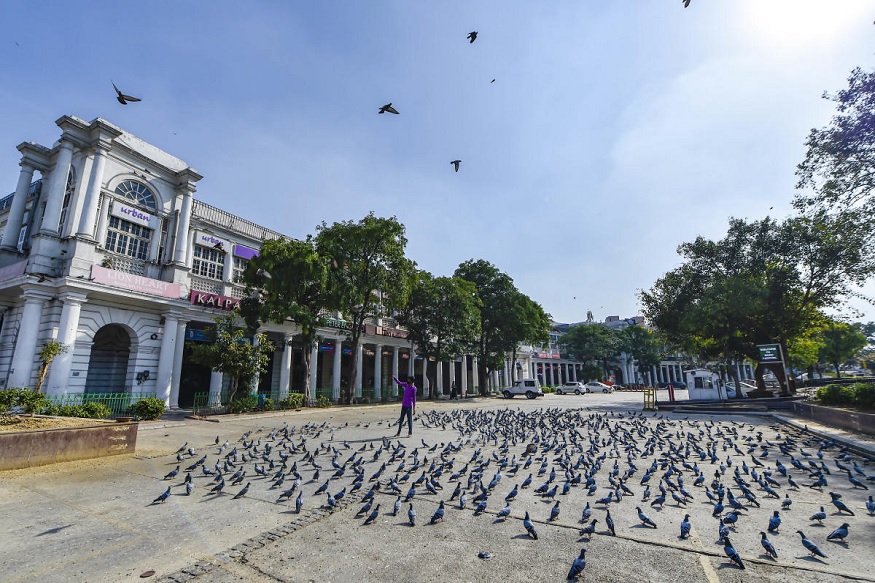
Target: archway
[108,363]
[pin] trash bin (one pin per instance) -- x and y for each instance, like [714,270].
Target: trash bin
[261,398]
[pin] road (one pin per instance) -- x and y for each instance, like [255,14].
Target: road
[95,521]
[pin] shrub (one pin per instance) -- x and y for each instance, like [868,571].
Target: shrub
[836,395]
[22,401]
[323,402]
[88,410]
[548,390]
[865,395]
[268,404]
[243,404]
[292,401]
[150,408]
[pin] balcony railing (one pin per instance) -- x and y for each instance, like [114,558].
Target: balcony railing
[233,223]
[210,286]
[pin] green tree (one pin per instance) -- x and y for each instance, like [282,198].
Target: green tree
[233,354]
[442,317]
[593,345]
[369,277]
[47,354]
[528,323]
[505,318]
[841,342]
[764,282]
[288,281]
[839,165]
[643,345]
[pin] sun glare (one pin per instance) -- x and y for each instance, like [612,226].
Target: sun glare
[794,25]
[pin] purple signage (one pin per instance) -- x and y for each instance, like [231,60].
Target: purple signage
[245,252]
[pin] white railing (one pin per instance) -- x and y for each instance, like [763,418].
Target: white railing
[210,286]
[232,223]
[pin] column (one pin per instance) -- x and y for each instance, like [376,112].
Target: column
[439,376]
[358,370]
[378,371]
[92,196]
[16,212]
[286,366]
[411,362]
[25,346]
[182,224]
[314,367]
[102,220]
[55,197]
[463,385]
[216,381]
[475,374]
[74,212]
[395,351]
[452,375]
[177,365]
[653,380]
[59,373]
[166,356]
[335,369]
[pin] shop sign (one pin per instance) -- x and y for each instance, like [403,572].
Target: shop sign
[133,215]
[213,300]
[137,283]
[244,252]
[209,240]
[335,323]
[770,352]
[385,331]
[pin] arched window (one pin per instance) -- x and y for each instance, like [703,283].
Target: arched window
[136,192]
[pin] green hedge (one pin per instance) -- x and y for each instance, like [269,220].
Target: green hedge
[859,395]
[88,410]
[150,408]
[292,401]
[22,401]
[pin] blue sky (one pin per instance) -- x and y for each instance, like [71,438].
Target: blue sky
[614,131]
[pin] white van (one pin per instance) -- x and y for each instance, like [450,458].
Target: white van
[531,388]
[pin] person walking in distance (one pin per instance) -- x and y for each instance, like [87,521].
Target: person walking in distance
[408,404]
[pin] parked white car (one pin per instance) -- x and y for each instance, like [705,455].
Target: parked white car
[745,389]
[576,387]
[595,386]
[531,388]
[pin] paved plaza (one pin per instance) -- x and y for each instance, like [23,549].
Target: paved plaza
[95,520]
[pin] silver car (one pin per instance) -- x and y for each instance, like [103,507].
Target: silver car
[576,387]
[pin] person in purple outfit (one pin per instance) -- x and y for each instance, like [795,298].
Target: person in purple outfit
[408,404]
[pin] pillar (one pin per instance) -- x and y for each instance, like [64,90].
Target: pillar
[55,197]
[395,351]
[411,361]
[217,379]
[177,365]
[92,196]
[59,373]
[314,367]
[378,371]
[335,369]
[16,212]
[286,366]
[463,385]
[475,374]
[25,346]
[358,369]
[180,256]
[439,377]
[166,356]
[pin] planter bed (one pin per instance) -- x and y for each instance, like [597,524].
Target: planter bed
[36,447]
[860,421]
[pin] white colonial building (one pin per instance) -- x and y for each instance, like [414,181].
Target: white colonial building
[105,249]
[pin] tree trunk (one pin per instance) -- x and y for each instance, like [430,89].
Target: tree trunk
[232,389]
[307,354]
[43,370]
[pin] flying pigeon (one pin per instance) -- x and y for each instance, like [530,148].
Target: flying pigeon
[455,164]
[122,98]
[472,36]
[388,109]
[686,3]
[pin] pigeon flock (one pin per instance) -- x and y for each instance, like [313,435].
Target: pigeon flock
[529,469]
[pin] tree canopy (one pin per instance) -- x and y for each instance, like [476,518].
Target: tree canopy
[369,275]
[839,165]
[592,345]
[288,280]
[442,316]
